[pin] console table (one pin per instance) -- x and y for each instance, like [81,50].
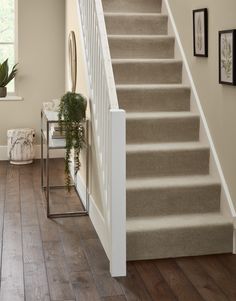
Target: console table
[47,119]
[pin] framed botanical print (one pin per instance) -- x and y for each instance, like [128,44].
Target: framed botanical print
[200,32]
[227,57]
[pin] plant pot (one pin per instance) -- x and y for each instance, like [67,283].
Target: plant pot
[3,91]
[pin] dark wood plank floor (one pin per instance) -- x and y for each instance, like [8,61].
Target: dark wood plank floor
[63,260]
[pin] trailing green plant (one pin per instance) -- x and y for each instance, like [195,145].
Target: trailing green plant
[71,115]
[5,77]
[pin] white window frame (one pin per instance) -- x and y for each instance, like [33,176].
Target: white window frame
[15,44]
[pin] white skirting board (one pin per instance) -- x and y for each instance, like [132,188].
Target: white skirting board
[56,153]
[95,215]
[234,242]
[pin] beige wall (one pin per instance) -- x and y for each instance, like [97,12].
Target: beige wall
[41,63]
[73,23]
[218,101]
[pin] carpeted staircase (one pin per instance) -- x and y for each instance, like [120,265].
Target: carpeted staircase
[173,203]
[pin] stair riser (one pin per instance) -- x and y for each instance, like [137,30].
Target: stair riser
[173,200]
[136,25]
[167,163]
[132,6]
[162,130]
[156,48]
[151,100]
[147,73]
[178,242]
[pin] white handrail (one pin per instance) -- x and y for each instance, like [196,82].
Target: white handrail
[108,123]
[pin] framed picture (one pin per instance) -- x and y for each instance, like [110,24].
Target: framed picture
[227,57]
[200,32]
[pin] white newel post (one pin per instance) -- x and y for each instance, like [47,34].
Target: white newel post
[117,193]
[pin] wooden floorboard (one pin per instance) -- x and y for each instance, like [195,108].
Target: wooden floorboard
[36,282]
[154,282]
[221,275]
[85,288]
[60,287]
[229,262]
[63,259]
[3,176]
[177,281]
[12,272]
[114,298]
[133,286]
[203,282]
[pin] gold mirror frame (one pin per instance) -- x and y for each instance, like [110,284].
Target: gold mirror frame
[72,60]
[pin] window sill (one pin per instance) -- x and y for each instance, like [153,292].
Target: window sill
[11,98]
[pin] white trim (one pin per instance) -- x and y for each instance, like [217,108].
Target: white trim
[3,153]
[16,43]
[234,239]
[56,153]
[95,214]
[11,98]
[117,198]
[99,224]
[227,205]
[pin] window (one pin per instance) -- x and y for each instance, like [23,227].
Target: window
[7,35]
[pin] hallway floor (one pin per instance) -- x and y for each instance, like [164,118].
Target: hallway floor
[63,260]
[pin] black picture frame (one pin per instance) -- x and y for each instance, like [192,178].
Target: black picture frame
[200,32]
[227,57]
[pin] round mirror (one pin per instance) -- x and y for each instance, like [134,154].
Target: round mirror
[72,60]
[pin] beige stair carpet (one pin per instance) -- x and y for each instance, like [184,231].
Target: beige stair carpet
[173,203]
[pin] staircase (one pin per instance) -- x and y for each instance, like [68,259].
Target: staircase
[173,202]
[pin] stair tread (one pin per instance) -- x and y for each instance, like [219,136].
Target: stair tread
[165,146]
[160,115]
[142,60]
[151,86]
[137,224]
[177,181]
[138,36]
[129,14]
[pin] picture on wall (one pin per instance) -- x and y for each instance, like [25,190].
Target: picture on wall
[227,57]
[200,32]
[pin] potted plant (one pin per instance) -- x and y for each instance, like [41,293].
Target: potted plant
[5,77]
[71,115]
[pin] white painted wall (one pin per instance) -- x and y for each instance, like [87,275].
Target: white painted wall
[218,101]
[41,56]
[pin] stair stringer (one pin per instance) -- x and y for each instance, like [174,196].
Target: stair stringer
[226,203]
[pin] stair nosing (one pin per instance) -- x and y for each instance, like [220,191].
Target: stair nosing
[137,224]
[158,147]
[170,182]
[151,86]
[161,115]
[138,14]
[143,60]
[138,36]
